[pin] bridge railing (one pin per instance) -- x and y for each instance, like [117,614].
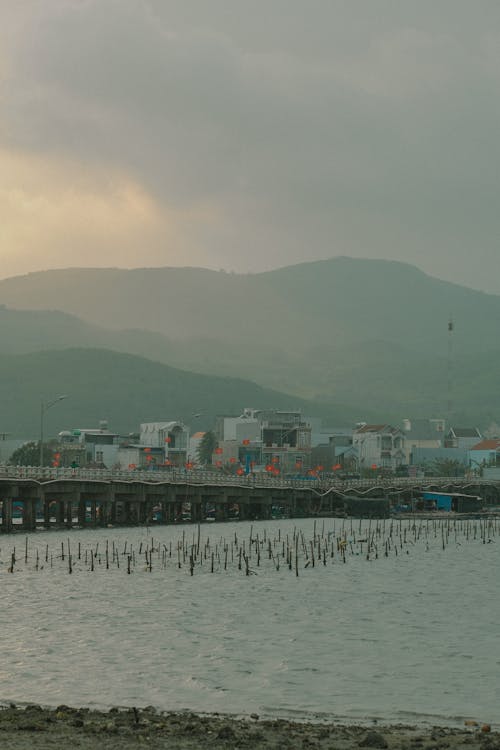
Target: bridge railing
[176,476]
[201,477]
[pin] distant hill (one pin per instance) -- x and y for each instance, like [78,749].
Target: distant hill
[362,332]
[126,390]
[338,301]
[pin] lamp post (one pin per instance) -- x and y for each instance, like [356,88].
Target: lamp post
[44,405]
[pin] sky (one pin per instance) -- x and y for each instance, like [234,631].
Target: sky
[250,134]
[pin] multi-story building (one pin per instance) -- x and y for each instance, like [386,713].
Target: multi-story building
[281,439]
[89,446]
[246,426]
[158,444]
[379,446]
[171,437]
[286,439]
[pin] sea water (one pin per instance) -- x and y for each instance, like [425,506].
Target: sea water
[408,637]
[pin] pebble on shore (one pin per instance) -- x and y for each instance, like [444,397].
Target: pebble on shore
[127,728]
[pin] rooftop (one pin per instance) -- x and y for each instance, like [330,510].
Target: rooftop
[487,445]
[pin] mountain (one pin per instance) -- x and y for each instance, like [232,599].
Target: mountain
[363,332]
[126,390]
[338,301]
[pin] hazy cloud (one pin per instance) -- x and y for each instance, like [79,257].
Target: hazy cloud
[251,135]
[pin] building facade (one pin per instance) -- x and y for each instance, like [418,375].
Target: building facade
[379,446]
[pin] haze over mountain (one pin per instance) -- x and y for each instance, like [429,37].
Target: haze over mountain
[370,334]
[339,300]
[126,390]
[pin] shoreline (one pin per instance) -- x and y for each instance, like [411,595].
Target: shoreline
[22,728]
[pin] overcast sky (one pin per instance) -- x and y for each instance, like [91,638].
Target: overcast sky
[250,134]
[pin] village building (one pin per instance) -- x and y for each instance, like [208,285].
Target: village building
[379,446]
[270,438]
[485,453]
[171,439]
[422,434]
[89,446]
[462,437]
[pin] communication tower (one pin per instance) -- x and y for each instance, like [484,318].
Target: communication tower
[449,363]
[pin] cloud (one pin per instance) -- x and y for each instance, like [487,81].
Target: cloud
[58,213]
[271,132]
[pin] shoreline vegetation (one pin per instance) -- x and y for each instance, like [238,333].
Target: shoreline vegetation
[22,728]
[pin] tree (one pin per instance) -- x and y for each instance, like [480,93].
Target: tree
[29,455]
[207,445]
[447,467]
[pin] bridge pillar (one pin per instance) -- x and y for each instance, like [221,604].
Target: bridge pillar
[205,501]
[46,511]
[142,508]
[69,513]
[60,512]
[135,511]
[93,511]
[221,511]
[162,517]
[104,512]
[82,509]
[196,509]
[7,514]
[29,514]
[111,499]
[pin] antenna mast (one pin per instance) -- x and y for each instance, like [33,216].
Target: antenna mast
[449,405]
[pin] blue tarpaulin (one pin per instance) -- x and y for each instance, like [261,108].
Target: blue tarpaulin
[443,501]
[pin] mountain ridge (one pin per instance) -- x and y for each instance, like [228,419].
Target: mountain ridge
[347,330]
[337,296]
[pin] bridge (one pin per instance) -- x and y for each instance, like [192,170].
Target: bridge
[32,498]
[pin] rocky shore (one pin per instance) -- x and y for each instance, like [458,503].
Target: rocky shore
[121,729]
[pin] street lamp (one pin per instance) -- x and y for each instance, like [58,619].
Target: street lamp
[44,405]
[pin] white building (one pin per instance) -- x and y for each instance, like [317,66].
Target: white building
[171,437]
[379,446]
[245,427]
